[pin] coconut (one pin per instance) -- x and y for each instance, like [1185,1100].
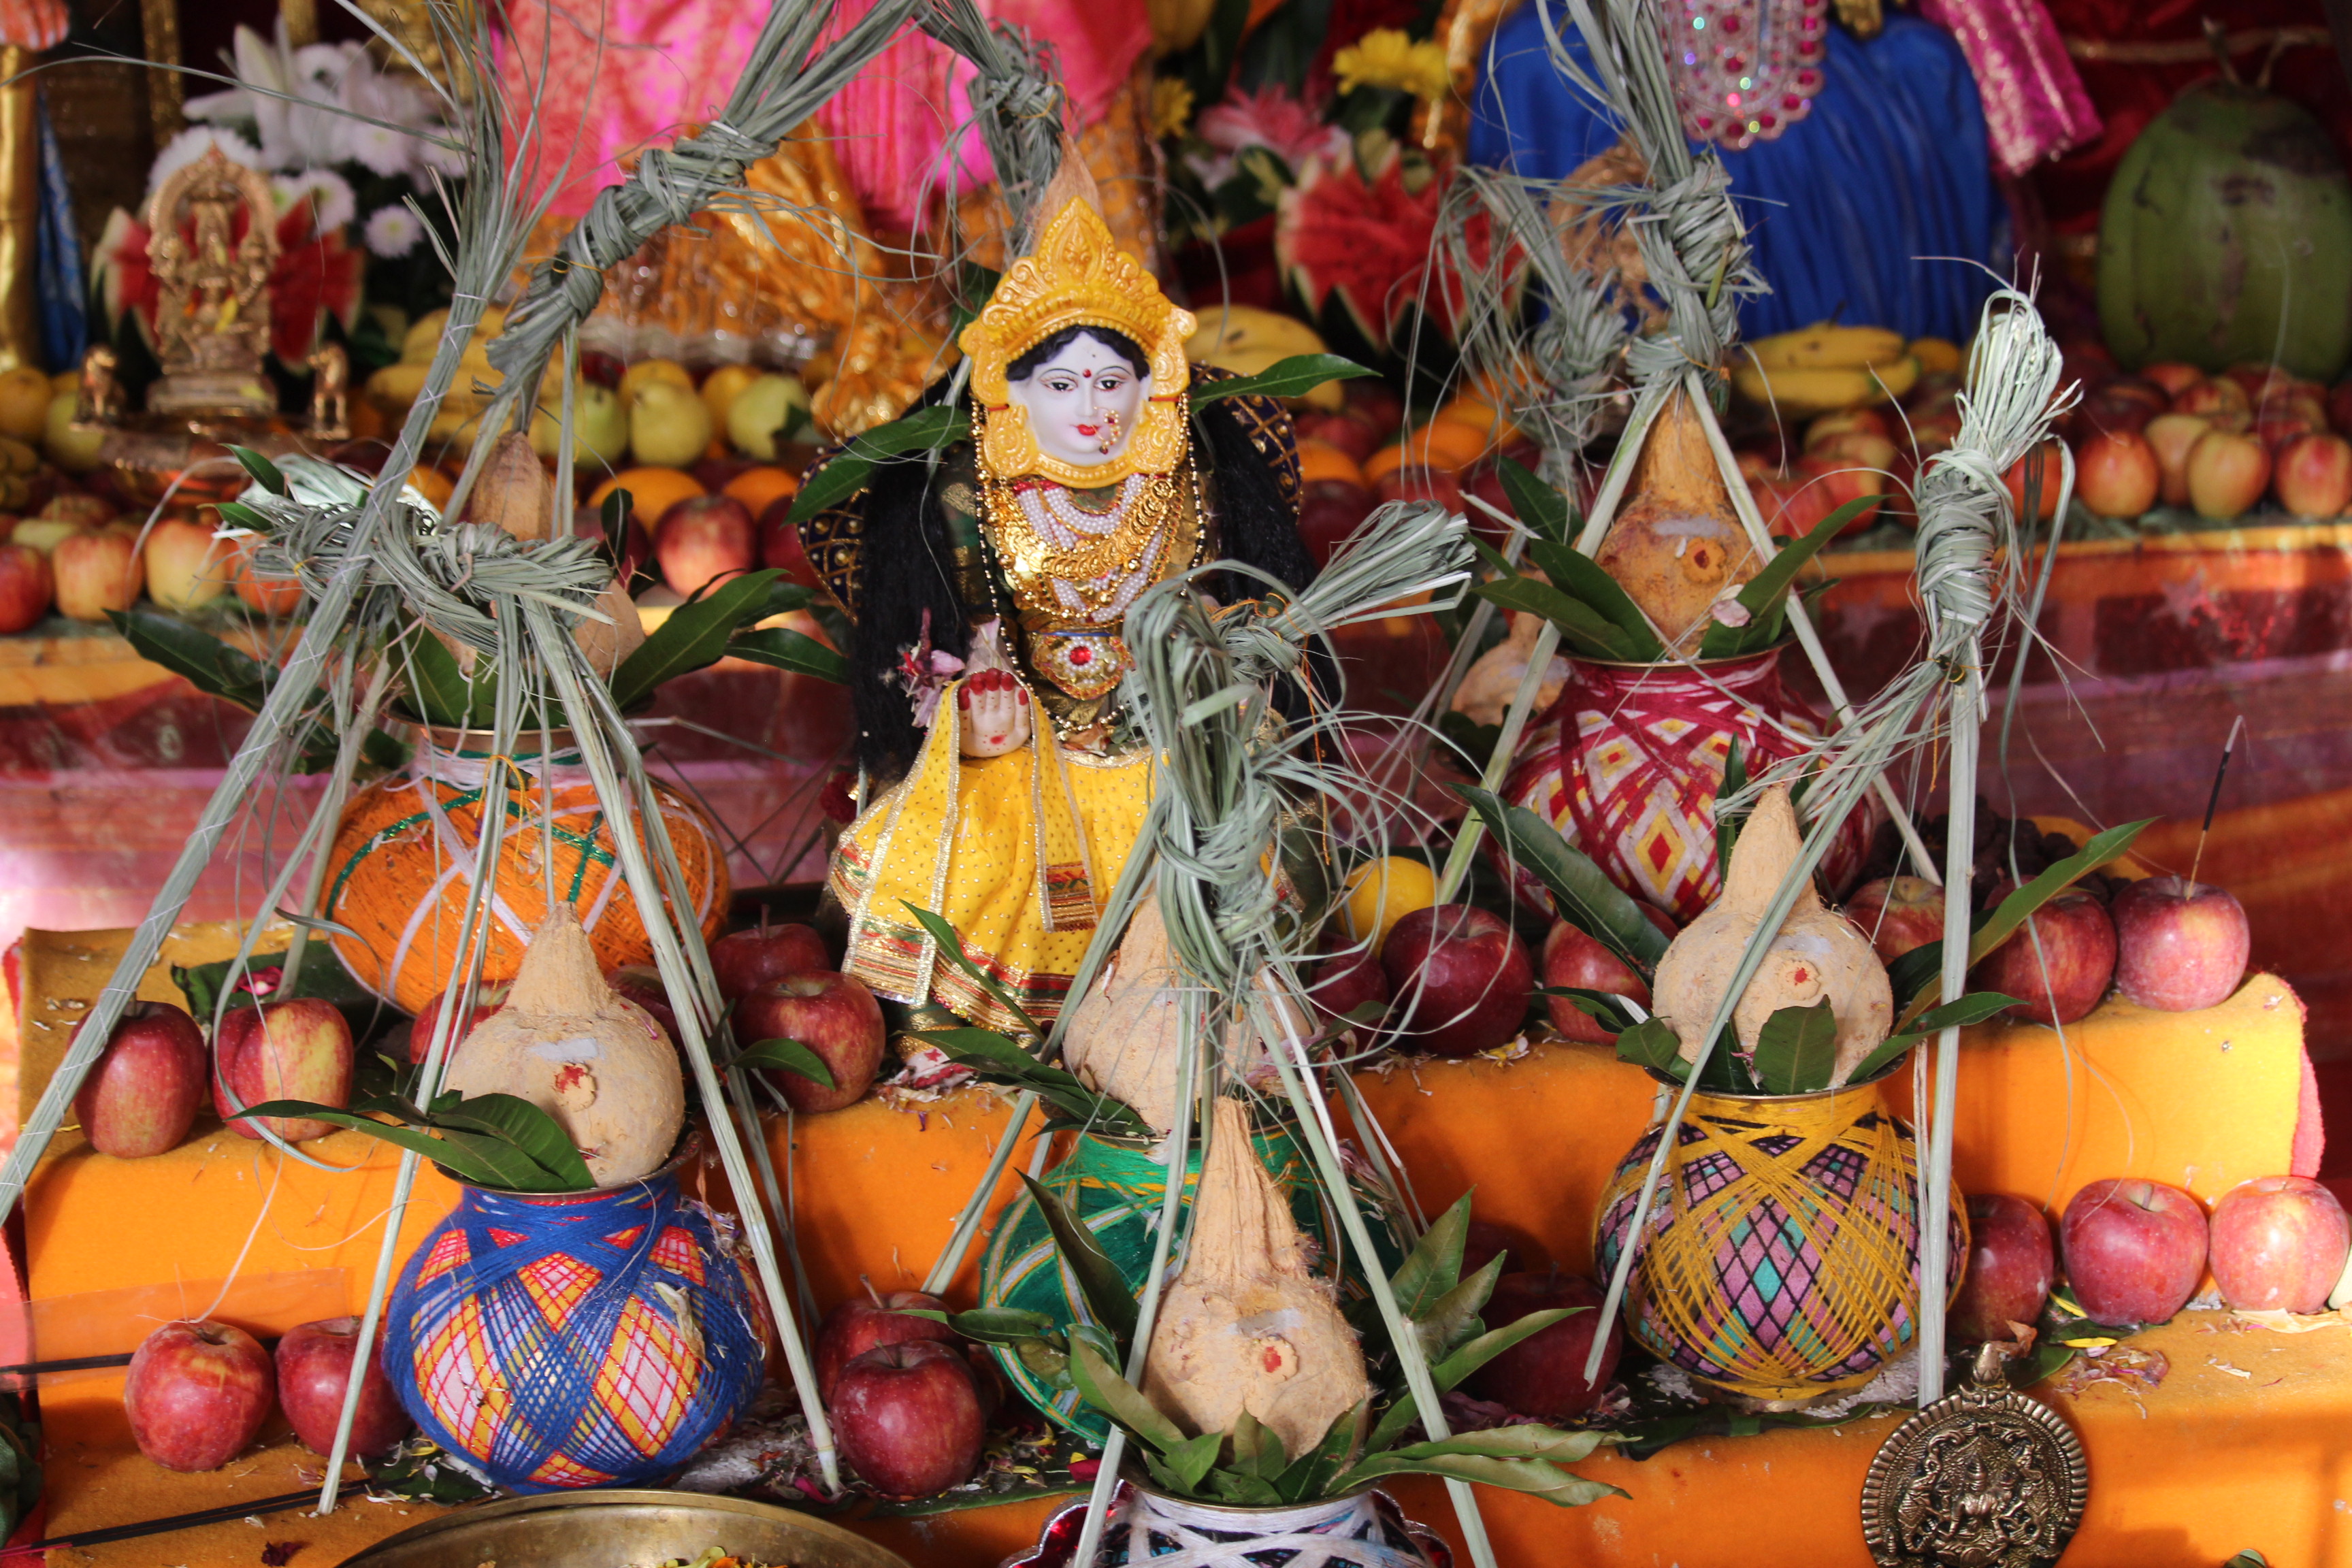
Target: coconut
[1247,1325]
[513,492]
[599,1064]
[1816,953]
[1124,1038]
[1676,547]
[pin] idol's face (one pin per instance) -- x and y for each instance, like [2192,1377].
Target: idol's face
[1082,403]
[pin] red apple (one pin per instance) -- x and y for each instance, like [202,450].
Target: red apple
[2009,1268]
[2278,1244]
[1376,403]
[602,368]
[185,565]
[1346,981]
[1329,512]
[907,1419]
[1543,1374]
[2123,405]
[1462,975]
[1931,434]
[2339,406]
[1348,430]
[780,543]
[744,960]
[642,983]
[1897,914]
[296,1049]
[2065,975]
[80,509]
[2172,376]
[2227,474]
[2052,473]
[141,1097]
[831,1015]
[702,538]
[2169,436]
[1485,1239]
[2178,948]
[314,1372]
[26,586]
[488,997]
[2315,475]
[1576,960]
[2280,427]
[863,1323]
[1414,483]
[2117,474]
[2134,1250]
[96,571]
[198,1395]
[2221,400]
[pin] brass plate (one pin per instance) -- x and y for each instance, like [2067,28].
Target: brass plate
[1984,1478]
[622,1530]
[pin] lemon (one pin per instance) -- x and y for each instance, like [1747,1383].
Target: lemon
[1379,893]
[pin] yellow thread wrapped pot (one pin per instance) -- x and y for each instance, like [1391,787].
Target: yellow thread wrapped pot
[1783,1260]
[403,863]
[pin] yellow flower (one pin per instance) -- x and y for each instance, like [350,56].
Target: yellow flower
[1171,106]
[1386,57]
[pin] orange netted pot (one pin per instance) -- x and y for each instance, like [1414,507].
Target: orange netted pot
[404,852]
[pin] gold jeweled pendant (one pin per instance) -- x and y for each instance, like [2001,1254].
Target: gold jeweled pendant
[1984,1478]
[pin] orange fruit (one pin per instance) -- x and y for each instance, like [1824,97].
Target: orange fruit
[756,488]
[1321,460]
[432,484]
[652,492]
[1480,415]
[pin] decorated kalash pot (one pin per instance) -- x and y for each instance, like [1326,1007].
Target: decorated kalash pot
[1628,760]
[205,303]
[1780,1267]
[592,1338]
[1005,780]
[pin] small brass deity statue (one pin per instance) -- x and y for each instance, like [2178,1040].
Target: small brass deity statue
[212,321]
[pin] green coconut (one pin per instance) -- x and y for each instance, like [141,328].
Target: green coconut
[2227,238]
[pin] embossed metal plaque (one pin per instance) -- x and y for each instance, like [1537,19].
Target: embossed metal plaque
[1984,1478]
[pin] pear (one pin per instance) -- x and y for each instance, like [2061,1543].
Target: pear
[764,412]
[600,428]
[669,425]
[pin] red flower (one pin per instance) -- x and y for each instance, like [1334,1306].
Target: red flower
[317,275]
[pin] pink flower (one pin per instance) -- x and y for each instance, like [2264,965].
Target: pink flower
[1269,118]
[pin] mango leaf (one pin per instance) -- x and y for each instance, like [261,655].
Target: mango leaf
[1580,576]
[1796,1050]
[1651,1043]
[1256,1450]
[994,1325]
[1434,1266]
[468,1160]
[438,690]
[1100,1385]
[265,472]
[1099,1280]
[1310,1476]
[784,649]
[1295,376]
[212,666]
[1534,1476]
[1190,1462]
[1586,629]
[1448,1373]
[1610,1012]
[243,516]
[999,1060]
[535,1134]
[851,470]
[1543,510]
[1241,1489]
[694,636]
[1922,964]
[1765,597]
[1453,1319]
[1582,895]
[1973,1008]
[785,1055]
[1734,779]
[951,946]
[1048,1362]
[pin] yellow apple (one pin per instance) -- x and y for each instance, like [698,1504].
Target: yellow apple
[185,565]
[75,451]
[764,413]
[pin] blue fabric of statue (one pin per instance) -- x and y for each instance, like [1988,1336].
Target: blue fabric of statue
[1849,209]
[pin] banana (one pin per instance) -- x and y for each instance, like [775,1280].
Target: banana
[1935,354]
[1799,393]
[1823,346]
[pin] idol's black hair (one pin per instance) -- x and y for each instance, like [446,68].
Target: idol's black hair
[1120,343]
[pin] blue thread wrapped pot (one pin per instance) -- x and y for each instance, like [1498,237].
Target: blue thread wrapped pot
[570,1339]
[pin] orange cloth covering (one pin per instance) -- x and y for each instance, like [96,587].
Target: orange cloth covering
[878,1188]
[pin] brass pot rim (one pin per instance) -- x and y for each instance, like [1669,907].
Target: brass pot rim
[852,1545]
[1682,665]
[1333,1501]
[1762,1096]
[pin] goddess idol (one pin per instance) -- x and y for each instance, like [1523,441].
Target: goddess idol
[1003,778]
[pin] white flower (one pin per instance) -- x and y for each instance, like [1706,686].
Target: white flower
[393,231]
[449,163]
[333,202]
[192,144]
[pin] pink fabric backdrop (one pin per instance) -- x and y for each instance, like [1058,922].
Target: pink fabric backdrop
[664,64]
